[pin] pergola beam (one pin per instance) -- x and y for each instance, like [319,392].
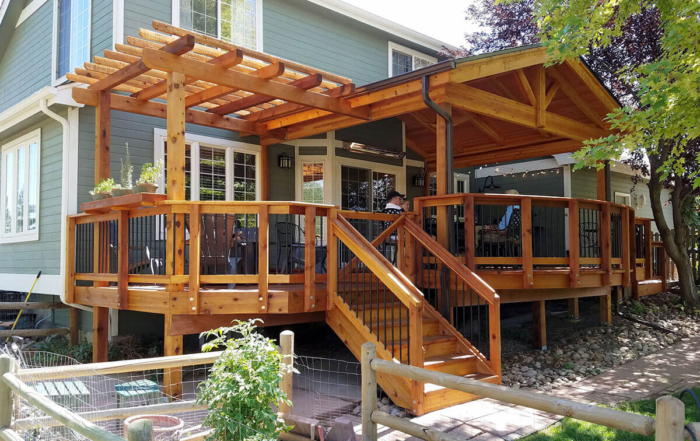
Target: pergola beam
[498,64]
[306,83]
[172,63]
[229,59]
[268,72]
[480,124]
[515,154]
[495,106]
[178,47]
[159,110]
[291,108]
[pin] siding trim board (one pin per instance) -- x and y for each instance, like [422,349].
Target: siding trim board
[30,9]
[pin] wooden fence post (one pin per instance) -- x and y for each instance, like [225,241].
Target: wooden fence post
[141,430]
[5,392]
[526,241]
[332,259]
[574,251]
[287,383]
[670,419]
[369,392]
[310,259]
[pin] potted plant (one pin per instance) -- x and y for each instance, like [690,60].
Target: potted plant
[103,189]
[127,172]
[150,174]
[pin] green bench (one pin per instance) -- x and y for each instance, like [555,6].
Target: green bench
[145,389]
[69,394]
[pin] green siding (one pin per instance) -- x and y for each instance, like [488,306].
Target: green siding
[282,181]
[584,185]
[549,184]
[44,254]
[26,66]
[101,32]
[411,190]
[140,14]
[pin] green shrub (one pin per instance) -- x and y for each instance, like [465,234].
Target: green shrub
[150,173]
[104,186]
[243,385]
[638,307]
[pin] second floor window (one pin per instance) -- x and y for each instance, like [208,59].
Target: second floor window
[403,59]
[73,35]
[235,21]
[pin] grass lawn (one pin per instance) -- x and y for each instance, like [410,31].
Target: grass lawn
[570,429]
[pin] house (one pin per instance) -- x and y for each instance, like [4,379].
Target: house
[283,130]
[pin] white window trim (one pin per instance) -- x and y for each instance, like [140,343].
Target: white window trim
[29,10]
[26,236]
[408,51]
[55,81]
[625,195]
[300,160]
[340,161]
[229,146]
[457,177]
[175,19]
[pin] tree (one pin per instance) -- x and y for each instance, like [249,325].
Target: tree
[647,54]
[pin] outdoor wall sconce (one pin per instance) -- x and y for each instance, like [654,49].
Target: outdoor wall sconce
[418,181]
[284,161]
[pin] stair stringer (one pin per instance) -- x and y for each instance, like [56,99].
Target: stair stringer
[354,334]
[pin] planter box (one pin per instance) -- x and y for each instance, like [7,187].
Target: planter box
[122,203]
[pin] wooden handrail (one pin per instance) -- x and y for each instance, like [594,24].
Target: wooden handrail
[384,235]
[396,281]
[507,199]
[475,282]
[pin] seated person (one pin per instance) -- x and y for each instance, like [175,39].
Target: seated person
[406,205]
[500,229]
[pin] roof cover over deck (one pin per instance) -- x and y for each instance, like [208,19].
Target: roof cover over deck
[506,105]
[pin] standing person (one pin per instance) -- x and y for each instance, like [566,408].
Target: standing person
[394,199]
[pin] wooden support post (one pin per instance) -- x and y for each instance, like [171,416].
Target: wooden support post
[74,326]
[601,188]
[6,401]
[102,135]
[633,256]
[172,377]
[670,419]
[401,249]
[310,259]
[469,239]
[263,265]
[443,180]
[195,255]
[573,308]
[369,392]
[123,260]
[606,310]
[574,252]
[625,219]
[606,235]
[141,430]
[415,335]
[70,261]
[648,271]
[332,259]
[538,89]
[526,238]
[176,136]
[100,333]
[409,254]
[539,325]
[495,336]
[286,384]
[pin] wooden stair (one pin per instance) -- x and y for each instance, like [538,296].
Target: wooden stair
[443,351]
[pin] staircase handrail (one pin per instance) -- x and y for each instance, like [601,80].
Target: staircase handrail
[475,282]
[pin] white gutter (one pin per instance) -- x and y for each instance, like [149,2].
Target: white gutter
[65,193]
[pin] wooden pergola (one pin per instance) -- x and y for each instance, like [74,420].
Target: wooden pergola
[505,106]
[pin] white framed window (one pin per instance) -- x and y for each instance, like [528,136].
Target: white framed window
[236,21]
[363,185]
[623,198]
[403,59]
[21,162]
[71,36]
[215,169]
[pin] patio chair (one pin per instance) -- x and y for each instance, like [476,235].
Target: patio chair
[216,242]
[290,245]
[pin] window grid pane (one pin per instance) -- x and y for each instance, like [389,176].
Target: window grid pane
[64,37]
[80,23]
[212,174]
[401,63]
[382,184]
[20,185]
[243,176]
[355,189]
[9,190]
[33,192]
[188,170]
[238,19]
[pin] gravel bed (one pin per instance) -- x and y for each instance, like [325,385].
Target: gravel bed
[585,352]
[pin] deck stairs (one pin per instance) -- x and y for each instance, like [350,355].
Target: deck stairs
[368,306]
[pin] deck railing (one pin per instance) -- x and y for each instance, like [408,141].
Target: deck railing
[181,243]
[533,234]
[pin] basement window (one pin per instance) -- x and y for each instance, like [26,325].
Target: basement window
[20,189]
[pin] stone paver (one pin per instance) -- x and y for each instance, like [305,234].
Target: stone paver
[669,370]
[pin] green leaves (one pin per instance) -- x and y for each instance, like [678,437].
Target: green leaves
[243,385]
